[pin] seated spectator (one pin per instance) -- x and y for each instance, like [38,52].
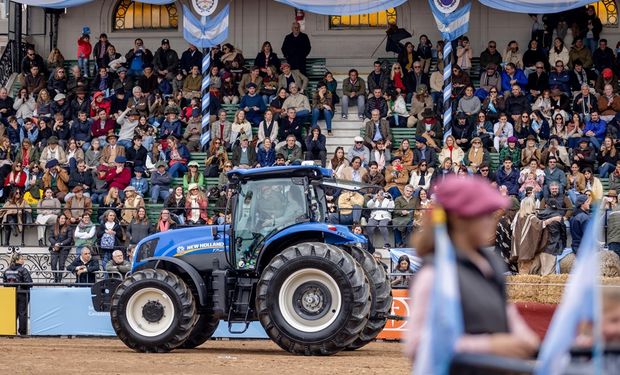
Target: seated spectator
[291,150]
[165,222]
[160,183]
[111,150]
[537,81]
[416,78]
[512,76]
[446,168]
[103,81]
[128,126]
[77,205]
[539,127]
[178,156]
[253,105]
[402,217]
[268,128]
[584,154]
[460,80]
[580,52]
[509,177]
[593,185]
[560,102]
[436,85]
[374,176]
[476,156]
[171,126]
[289,76]
[483,130]
[48,210]
[580,76]
[595,129]
[462,130]
[353,88]
[512,55]
[243,155]
[531,183]
[192,83]
[130,205]
[469,104]
[579,220]
[270,84]
[511,151]
[136,155]
[14,213]
[192,133]
[221,129]
[322,104]
[196,205]
[396,177]
[419,102]
[338,162]
[557,151]
[298,101]
[559,79]
[381,155]
[60,243]
[554,174]
[215,160]
[423,153]
[430,128]
[530,151]
[358,149]
[377,129]
[229,90]
[397,80]
[608,103]
[452,150]
[559,52]
[194,175]
[378,78]
[382,205]
[140,227]
[607,77]
[266,155]
[24,105]
[176,204]
[350,204]
[355,171]
[240,127]
[252,77]
[289,125]
[56,178]
[118,266]
[398,115]
[15,180]
[34,81]
[84,267]
[315,146]
[119,175]
[516,103]
[502,130]
[84,235]
[332,85]
[576,182]
[489,79]
[421,178]
[607,158]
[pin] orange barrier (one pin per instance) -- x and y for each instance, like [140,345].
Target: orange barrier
[395,329]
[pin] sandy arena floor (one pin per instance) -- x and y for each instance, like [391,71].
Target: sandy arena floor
[111,356]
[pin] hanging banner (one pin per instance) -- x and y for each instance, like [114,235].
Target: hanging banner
[60,4]
[343,7]
[204,7]
[447,6]
[205,33]
[8,318]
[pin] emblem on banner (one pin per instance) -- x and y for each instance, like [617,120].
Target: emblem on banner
[204,7]
[446,6]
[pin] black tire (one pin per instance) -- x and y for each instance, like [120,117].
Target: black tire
[381,294]
[202,331]
[307,271]
[153,292]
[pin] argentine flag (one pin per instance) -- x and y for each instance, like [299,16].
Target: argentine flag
[205,33]
[444,319]
[452,25]
[580,302]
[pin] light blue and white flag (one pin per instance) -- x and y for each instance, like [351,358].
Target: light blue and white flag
[580,302]
[59,4]
[205,33]
[454,24]
[444,318]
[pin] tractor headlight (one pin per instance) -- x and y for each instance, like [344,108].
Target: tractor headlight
[146,250]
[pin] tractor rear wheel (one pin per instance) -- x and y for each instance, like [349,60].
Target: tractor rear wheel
[313,299]
[202,331]
[381,293]
[153,311]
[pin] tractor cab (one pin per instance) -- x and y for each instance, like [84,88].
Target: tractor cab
[268,201]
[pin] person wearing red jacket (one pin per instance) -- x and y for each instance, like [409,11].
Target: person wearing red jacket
[99,102]
[119,176]
[102,126]
[84,49]
[16,179]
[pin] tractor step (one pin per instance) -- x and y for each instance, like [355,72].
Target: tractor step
[241,310]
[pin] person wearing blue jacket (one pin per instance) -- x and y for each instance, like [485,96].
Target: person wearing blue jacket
[178,154]
[595,129]
[513,76]
[509,177]
[315,146]
[559,78]
[172,124]
[579,220]
[80,130]
[266,155]
[253,105]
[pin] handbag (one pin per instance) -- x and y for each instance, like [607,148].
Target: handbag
[107,241]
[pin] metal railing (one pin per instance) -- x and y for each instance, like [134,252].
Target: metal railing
[9,63]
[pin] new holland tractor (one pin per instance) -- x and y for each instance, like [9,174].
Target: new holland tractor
[309,283]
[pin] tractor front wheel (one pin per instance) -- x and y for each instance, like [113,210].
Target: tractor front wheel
[153,311]
[313,299]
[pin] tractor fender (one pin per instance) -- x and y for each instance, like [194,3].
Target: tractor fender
[180,267]
[306,232]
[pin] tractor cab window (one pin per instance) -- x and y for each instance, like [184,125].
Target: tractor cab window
[264,208]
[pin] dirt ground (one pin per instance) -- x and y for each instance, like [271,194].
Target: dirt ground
[111,356]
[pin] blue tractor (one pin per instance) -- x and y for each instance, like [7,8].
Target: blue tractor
[312,286]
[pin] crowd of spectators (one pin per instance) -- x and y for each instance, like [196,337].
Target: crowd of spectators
[118,130]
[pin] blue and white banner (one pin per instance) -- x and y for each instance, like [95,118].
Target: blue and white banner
[66,311]
[444,317]
[535,6]
[454,24]
[580,303]
[343,7]
[415,262]
[205,33]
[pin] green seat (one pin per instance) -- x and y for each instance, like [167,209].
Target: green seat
[605,183]
[494,161]
[211,181]
[177,181]
[198,157]
[152,211]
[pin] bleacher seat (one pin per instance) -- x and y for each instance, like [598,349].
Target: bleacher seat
[398,135]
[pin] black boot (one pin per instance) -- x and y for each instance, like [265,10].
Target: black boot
[41,243]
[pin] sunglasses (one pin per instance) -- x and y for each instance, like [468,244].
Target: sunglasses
[359,142]
[417,67]
[484,170]
[540,67]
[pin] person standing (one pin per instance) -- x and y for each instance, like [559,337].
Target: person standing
[579,220]
[296,47]
[18,274]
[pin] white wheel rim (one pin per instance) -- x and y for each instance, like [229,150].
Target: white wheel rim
[135,315]
[313,291]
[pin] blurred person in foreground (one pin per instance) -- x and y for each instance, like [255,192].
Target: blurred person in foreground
[491,324]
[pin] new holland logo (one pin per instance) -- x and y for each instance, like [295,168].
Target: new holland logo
[204,7]
[447,6]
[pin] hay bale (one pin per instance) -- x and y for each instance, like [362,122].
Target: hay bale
[523,288]
[609,263]
[551,288]
[566,264]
